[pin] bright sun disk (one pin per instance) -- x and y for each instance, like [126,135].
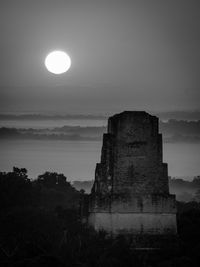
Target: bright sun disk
[57,62]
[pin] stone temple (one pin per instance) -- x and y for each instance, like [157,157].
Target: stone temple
[130,194]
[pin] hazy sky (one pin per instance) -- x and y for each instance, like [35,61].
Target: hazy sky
[128,54]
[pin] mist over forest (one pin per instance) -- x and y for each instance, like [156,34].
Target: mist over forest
[173,131]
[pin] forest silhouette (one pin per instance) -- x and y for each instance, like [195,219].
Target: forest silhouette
[41,225]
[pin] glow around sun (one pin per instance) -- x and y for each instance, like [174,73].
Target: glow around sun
[57,62]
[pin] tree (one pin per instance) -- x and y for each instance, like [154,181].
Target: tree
[52,179]
[22,173]
[15,188]
[56,191]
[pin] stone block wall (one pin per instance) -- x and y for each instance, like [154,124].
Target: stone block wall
[131,177]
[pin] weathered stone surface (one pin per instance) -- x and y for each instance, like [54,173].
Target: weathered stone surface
[134,223]
[131,190]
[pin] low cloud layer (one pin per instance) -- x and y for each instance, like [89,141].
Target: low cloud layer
[173,132]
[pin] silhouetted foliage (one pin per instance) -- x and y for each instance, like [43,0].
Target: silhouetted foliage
[56,191]
[53,179]
[41,226]
[15,189]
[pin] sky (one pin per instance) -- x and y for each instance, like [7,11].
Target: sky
[126,55]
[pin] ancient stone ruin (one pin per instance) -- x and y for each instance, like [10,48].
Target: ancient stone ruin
[131,192]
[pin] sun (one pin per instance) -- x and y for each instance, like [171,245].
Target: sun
[57,62]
